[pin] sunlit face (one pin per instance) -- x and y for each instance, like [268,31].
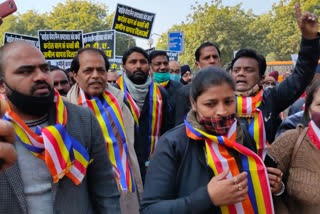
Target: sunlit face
[112,77]
[61,81]
[92,73]
[209,56]
[269,82]
[159,64]
[216,101]
[245,73]
[137,68]
[25,70]
[187,77]
[174,68]
[315,105]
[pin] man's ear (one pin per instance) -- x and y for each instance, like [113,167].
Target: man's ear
[260,83]
[197,64]
[75,76]
[151,72]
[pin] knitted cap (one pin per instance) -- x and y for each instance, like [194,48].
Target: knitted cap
[185,69]
[274,74]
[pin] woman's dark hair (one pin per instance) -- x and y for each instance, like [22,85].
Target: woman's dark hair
[309,98]
[207,77]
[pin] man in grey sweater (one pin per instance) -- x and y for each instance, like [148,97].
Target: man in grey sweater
[29,186]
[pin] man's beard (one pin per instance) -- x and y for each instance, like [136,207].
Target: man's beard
[30,104]
[62,92]
[138,76]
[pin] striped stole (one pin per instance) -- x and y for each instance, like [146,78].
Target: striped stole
[63,154]
[118,151]
[155,117]
[247,107]
[164,84]
[155,112]
[258,199]
[135,110]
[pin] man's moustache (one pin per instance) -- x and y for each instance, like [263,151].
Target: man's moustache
[34,87]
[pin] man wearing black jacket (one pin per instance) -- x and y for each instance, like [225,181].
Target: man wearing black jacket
[248,68]
[207,54]
[159,72]
[137,85]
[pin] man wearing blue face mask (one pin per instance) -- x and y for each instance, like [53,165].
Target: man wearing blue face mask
[175,70]
[159,72]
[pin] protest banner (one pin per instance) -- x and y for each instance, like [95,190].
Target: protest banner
[116,64]
[134,22]
[60,46]
[150,50]
[173,55]
[11,37]
[104,40]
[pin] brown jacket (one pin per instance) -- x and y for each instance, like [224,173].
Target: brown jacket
[301,177]
[129,202]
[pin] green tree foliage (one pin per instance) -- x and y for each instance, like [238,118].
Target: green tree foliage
[78,14]
[28,23]
[274,34]
[72,15]
[227,26]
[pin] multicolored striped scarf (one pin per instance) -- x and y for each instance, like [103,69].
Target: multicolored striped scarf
[63,154]
[118,152]
[135,110]
[247,107]
[258,199]
[155,112]
[155,117]
[164,84]
[314,134]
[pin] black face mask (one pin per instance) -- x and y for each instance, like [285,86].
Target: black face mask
[183,82]
[62,92]
[138,77]
[32,105]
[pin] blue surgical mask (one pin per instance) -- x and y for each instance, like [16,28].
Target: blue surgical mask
[161,77]
[175,77]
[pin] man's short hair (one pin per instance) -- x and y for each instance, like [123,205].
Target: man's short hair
[3,50]
[132,50]
[204,45]
[156,53]
[250,53]
[53,67]
[75,64]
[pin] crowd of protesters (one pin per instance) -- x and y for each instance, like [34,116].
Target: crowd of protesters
[160,138]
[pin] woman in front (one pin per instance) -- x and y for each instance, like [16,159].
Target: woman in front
[208,165]
[301,169]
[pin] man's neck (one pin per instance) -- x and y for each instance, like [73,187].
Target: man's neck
[250,93]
